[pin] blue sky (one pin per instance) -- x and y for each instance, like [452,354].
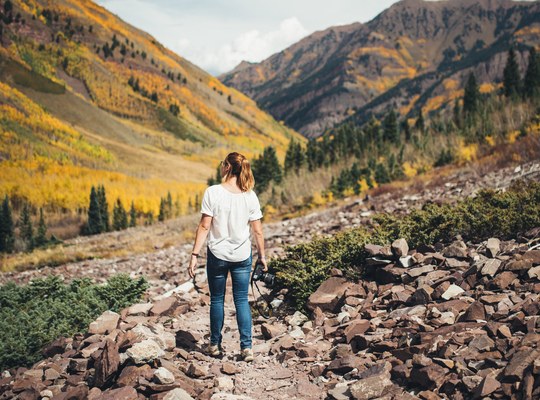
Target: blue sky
[218,34]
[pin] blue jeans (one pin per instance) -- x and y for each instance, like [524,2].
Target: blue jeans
[217,271]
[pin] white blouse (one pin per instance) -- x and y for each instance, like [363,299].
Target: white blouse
[229,236]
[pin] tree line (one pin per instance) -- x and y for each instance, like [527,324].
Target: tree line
[99,220]
[378,146]
[28,236]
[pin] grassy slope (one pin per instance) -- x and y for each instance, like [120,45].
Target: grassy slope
[149,150]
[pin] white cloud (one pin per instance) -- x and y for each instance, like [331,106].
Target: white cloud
[249,46]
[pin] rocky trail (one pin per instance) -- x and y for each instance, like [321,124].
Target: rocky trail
[457,320]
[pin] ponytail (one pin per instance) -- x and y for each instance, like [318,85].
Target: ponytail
[236,164]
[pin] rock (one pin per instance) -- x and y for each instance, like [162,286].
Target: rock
[416,272]
[488,385]
[228,396]
[518,265]
[534,272]
[343,365]
[124,393]
[481,343]
[156,332]
[340,392]
[164,306]
[56,347]
[457,249]
[400,248]
[78,365]
[428,377]
[493,247]
[270,331]
[196,371]
[355,328]
[184,288]
[224,383]
[229,368]
[50,374]
[422,295]
[407,261]
[475,312]
[107,364]
[533,256]
[131,373]
[504,279]
[452,292]
[371,385]
[145,351]
[329,294]
[297,319]
[163,376]
[105,323]
[521,360]
[139,309]
[177,394]
[491,267]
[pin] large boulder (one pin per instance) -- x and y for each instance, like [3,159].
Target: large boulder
[329,295]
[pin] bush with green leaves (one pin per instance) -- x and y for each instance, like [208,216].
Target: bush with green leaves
[489,214]
[33,315]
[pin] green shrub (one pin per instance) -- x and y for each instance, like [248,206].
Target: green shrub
[501,214]
[33,315]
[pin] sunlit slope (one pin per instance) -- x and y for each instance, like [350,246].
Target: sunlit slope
[129,109]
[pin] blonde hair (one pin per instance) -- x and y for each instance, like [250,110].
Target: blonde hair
[235,164]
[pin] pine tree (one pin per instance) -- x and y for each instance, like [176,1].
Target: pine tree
[120,220]
[511,76]
[407,129]
[169,205]
[26,228]
[420,125]
[390,127]
[7,234]
[95,224]
[132,216]
[266,169]
[162,210]
[41,237]
[457,113]
[381,173]
[289,157]
[103,209]
[532,76]
[471,96]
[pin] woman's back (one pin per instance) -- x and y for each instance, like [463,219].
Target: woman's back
[229,237]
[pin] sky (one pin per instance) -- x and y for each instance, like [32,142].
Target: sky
[217,35]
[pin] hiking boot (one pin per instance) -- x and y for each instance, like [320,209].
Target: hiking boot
[213,350]
[247,355]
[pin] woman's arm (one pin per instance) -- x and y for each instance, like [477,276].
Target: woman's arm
[256,226]
[200,238]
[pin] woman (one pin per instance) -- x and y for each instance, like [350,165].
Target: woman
[228,210]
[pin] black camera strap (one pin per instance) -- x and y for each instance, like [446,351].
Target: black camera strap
[261,311]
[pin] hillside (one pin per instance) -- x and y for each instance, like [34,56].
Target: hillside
[416,54]
[86,98]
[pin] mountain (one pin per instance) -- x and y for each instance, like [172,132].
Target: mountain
[86,98]
[414,54]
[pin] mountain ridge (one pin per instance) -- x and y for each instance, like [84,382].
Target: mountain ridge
[407,40]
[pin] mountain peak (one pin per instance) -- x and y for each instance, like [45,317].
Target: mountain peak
[332,74]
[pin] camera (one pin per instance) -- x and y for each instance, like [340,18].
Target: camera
[259,275]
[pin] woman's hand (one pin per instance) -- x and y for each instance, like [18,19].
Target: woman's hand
[192,267]
[262,261]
